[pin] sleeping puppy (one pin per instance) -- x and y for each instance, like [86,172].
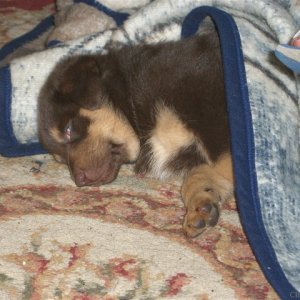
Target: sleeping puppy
[159,106]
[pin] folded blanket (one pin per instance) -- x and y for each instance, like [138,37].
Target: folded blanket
[262,97]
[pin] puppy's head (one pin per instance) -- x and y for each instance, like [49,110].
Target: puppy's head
[81,120]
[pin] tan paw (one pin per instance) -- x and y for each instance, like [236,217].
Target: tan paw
[203,211]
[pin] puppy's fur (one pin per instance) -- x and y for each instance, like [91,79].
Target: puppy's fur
[161,106]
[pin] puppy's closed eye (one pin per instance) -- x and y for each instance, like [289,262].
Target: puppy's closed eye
[68,131]
[70,134]
[75,129]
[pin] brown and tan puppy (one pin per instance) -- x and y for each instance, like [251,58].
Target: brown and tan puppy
[160,106]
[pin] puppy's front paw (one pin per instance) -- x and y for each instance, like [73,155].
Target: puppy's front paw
[202,211]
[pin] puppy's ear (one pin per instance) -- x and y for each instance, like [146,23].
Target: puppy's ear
[80,83]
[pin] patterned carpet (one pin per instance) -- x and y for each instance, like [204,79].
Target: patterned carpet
[119,241]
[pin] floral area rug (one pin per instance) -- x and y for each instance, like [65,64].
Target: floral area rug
[119,241]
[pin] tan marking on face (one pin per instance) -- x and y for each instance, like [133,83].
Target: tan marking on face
[106,125]
[56,135]
[168,137]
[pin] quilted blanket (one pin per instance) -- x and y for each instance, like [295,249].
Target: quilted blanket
[262,97]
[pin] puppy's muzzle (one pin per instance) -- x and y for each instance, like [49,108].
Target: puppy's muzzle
[97,170]
[94,177]
[83,178]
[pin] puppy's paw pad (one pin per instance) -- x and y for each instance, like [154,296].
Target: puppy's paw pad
[199,224]
[205,215]
[212,212]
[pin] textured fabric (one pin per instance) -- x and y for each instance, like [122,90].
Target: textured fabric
[274,103]
[119,241]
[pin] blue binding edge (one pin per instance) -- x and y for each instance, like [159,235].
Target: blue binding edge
[9,146]
[242,142]
[42,27]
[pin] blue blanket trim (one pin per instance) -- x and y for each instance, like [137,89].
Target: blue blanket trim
[242,140]
[9,146]
[29,36]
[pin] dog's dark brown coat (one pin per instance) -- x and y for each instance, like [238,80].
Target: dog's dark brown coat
[161,106]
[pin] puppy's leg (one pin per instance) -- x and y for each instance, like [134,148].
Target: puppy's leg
[204,190]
